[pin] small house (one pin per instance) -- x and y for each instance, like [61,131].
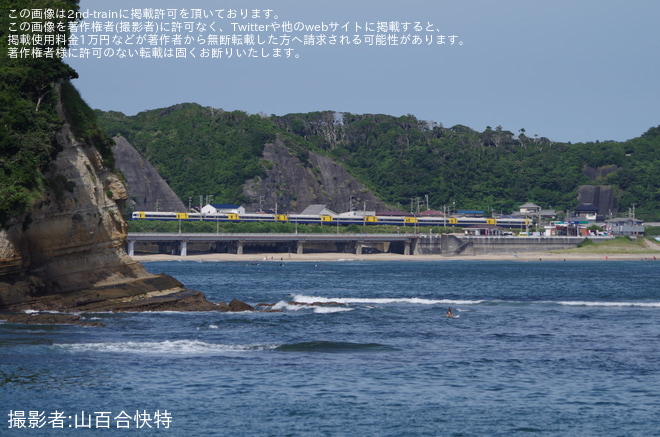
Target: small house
[529,208]
[625,226]
[483,230]
[222,208]
[587,210]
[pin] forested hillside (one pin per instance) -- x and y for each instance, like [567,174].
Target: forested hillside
[30,90]
[200,150]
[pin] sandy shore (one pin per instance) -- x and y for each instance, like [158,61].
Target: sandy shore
[316,257]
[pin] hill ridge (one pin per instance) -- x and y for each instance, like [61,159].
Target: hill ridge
[398,160]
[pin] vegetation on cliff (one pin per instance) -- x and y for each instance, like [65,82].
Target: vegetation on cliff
[200,150]
[29,121]
[197,150]
[205,151]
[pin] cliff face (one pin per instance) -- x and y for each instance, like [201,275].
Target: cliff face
[147,191]
[293,186]
[603,197]
[68,251]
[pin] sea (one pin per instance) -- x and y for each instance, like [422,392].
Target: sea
[355,348]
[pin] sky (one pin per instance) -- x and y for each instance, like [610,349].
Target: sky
[571,71]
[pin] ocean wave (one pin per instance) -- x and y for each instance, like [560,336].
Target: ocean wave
[378,300]
[209,326]
[285,306]
[297,306]
[48,312]
[167,347]
[609,304]
[330,310]
[333,347]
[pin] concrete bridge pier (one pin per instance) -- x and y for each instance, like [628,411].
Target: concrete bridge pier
[239,247]
[167,247]
[131,248]
[358,248]
[184,248]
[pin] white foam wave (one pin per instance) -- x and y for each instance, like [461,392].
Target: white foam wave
[610,304]
[175,347]
[284,306]
[211,326]
[47,312]
[329,310]
[382,301]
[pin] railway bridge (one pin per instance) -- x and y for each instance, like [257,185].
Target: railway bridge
[405,244]
[298,243]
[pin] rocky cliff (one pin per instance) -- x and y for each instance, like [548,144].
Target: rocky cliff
[68,252]
[603,197]
[147,191]
[293,185]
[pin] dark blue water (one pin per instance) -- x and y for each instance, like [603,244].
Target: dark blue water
[545,348]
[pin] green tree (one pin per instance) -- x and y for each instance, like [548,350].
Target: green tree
[28,118]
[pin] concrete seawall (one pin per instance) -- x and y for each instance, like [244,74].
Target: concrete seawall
[452,245]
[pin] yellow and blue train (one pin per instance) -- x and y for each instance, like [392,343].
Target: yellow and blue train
[337,220]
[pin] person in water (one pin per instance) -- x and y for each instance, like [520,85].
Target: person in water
[449,312]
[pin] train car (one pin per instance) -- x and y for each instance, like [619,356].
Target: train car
[305,219]
[154,215]
[513,222]
[341,220]
[349,220]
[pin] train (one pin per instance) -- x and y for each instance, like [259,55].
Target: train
[336,220]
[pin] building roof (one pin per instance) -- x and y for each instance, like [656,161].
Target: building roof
[529,205]
[586,207]
[317,210]
[224,206]
[624,220]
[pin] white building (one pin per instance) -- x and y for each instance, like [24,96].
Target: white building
[222,208]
